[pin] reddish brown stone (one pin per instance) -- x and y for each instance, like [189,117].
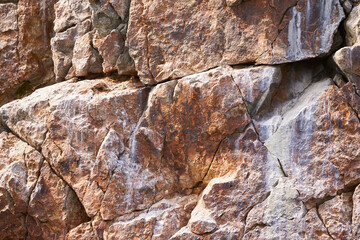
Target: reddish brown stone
[356,213]
[25,55]
[174,39]
[54,208]
[84,231]
[336,214]
[19,169]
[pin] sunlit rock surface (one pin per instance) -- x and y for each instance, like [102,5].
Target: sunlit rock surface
[234,119]
[174,39]
[26,28]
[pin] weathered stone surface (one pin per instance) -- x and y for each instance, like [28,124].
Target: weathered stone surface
[347,59]
[9,58]
[62,45]
[86,59]
[175,39]
[84,231]
[202,223]
[115,52]
[122,8]
[184,124]
[110,22]
[309,142]
[35,22]
[54,208]
[352,27]
[257,85]
[87,139]
[356,213]
[109,49]
[242,152]
[336,214]
[242,174]
[70,12]
[232,3]
[104,17]
[295,78]
[73,54]
[78,52]
[160,222]
[100,112]
[347,5]
[19,168]
[351,97]
[25,56]
[310,227]
[8,16]
[283,216]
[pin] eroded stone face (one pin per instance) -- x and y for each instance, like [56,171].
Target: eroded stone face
[35,22]
[25,56]
[241,174]
[19,168]
[184,125]
[257,85]
[352,27]
[91,39]
[174,39]
[309,139]
[242,152]
[347,60]
[84,231]
[283,215]
[84,154]
[336,214]
[356,212]
[160,222]
[54,208]
[86,60]
[9,58]
[70,12]
[347,57]
[62,46]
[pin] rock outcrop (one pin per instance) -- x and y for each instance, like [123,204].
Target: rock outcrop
[175,39]
[25,56]
[179,120]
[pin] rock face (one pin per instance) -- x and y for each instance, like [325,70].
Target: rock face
[174,39]
[20,166]
[91,38]
[25,55]
[179,120]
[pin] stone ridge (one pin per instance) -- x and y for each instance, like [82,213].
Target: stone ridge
[179,120]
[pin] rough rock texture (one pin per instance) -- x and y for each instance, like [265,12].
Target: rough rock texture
[91,38]
[19,171]
[179,119]
[173,39]
[25,56]
[336,214]
[54,208]
[347,58]
[283,216]
[326,122]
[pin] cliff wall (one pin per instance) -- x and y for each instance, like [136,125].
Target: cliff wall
[158,119]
